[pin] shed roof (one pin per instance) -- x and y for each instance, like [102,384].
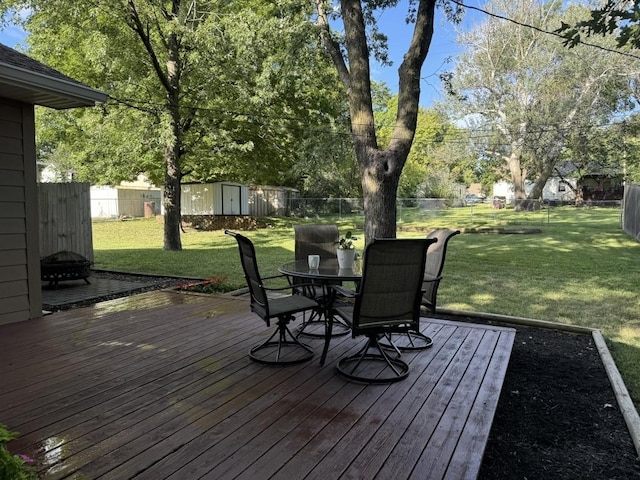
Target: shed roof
[27,80]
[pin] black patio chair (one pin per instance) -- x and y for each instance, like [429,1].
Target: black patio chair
[387,302]
[434,265]
[286,349]
[319,240]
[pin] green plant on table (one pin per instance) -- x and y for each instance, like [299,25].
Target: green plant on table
[346,242]
[14,467]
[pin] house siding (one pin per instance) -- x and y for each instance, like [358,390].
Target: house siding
[20,285]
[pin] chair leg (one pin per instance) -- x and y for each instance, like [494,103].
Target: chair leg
[407,342]
[381,367]
[286,350]
[315,326]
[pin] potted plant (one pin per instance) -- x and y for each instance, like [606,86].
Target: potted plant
[346,251]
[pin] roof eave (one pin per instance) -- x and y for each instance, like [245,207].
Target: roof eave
[52,92]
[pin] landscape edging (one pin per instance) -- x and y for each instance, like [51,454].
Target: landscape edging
[625,403]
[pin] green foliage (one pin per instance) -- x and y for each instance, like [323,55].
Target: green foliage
[346,242]
[256,95]
[13,467]
[438,157]
[611,19]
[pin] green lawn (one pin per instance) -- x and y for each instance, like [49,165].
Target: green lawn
[581,269]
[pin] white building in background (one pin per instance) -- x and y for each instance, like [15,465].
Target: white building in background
[139,198]
[554,190]
[219,198]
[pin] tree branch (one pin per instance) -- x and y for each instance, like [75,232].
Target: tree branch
[409,77]
[332,47]
[136,25]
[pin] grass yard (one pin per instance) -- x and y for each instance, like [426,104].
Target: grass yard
[580,269]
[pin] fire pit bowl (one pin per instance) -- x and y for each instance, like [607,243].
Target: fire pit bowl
[64,265]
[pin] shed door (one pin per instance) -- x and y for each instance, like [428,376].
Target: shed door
[231,199]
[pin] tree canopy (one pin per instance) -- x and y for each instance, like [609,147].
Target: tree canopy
[439,155]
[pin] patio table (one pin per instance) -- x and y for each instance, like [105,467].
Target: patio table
[328,273]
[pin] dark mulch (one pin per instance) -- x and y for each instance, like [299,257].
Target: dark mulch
[557,416]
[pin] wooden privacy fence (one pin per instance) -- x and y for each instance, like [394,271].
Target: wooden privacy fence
[65,218]
[631,211]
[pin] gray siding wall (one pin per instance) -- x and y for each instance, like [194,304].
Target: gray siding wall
[20,286]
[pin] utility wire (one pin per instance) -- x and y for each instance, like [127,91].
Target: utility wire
[542,30]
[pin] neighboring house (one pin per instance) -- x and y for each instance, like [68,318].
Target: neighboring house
[593,187]
[24,83]
[554,190]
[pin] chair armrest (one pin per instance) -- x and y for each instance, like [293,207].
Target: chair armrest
[290,286]
[344,292]
[276,277]
[431,279]
[271,277]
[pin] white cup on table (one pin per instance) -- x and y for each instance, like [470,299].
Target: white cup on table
[314,261]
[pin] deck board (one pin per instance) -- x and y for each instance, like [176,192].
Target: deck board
[160,386]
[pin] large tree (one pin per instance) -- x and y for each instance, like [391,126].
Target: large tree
[527,93]
[380,168]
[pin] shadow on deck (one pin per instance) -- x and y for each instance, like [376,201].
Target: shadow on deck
[159,385]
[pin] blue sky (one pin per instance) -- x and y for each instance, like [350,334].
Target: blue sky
[440,58]
[441,55]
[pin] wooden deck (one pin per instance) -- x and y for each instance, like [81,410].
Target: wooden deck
[160,386]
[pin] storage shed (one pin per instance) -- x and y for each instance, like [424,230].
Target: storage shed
[24,83]
[220,198]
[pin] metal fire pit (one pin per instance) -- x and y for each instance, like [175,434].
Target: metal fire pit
[63,266]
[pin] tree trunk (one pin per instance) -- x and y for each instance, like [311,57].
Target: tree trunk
[380,177]
[518,175]
[379,169]
[173,152]
[541,181]
[173,148]
[171,198]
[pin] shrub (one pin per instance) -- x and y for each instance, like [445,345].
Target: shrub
[14,467]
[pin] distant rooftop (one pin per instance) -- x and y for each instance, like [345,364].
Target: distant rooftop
[27,80]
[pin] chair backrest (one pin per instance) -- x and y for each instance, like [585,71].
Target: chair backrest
[437,251]
[259,300]
[316,240]
[391,288]
[434,265]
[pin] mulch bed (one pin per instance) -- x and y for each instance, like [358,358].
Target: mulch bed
[557,417]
